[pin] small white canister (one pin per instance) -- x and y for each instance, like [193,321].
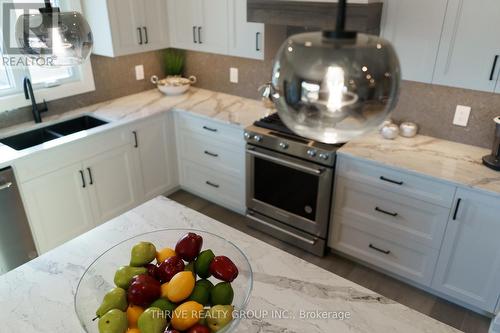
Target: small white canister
[390,132]
[408,129]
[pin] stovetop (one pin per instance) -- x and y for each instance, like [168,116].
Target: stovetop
[274,122]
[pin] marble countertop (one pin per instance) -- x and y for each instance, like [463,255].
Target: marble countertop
[229,109]
[445,160]
[38,296]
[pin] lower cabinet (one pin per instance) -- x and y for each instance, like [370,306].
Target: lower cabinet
[468,268]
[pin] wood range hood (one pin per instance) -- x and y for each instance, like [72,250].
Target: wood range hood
[362,15]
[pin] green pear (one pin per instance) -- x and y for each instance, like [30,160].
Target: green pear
[125,274]
[219,316]
[142,254]
[153,320]
[115,299]
[114,321]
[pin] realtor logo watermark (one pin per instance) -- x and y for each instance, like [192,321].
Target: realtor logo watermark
[33,34]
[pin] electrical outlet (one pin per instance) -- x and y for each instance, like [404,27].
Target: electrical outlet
[233,75]
[139,72]
[462,114]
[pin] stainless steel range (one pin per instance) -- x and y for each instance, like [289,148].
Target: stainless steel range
[289,184]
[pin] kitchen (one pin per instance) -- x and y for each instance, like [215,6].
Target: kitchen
[398,232]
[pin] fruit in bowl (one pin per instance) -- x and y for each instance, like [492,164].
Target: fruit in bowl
[170,291]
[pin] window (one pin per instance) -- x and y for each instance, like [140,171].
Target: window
[49,83]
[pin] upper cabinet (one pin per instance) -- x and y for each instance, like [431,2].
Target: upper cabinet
[416,42]
[246,39]
[127,26]
[199,25]
[470,44]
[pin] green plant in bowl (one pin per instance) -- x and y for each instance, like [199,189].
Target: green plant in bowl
[174,62]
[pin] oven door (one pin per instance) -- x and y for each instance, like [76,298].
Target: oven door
[290,190]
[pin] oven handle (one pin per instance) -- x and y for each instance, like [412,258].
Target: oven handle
[303,239]
[286,163]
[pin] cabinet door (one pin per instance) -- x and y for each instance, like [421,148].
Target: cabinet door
[155,27]
[156,155]
[246,39]
[112,179]
[468,268]
[58,207]
[469,45]
[414,28]
[183,21]
[127,18]
[214,24]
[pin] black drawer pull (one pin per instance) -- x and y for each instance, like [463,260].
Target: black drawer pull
[455,215]
[90,176]
[136,141]
[211,154]
[210,129]
[371,246]
[83,179]
[380,210]
[391,181]
[212,184]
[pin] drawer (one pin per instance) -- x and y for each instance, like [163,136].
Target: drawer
[385,178]
[213,186]
[211,129]
[416,263]
[383,212]
[228,159]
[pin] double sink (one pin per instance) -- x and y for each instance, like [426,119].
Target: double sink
[41,135]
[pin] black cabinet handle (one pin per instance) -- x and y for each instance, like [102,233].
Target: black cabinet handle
[146,34]
[492,75]
[136,141]
[83,179]
[199,35]
[257,37]
[455,215]
[90,176]
[210,129]
[391,181]
[211,154]
[371,246]
[386,212]
[140,36]
[194,35]
[212,184]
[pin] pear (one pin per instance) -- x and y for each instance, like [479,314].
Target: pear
[114,321]
[153,320]
[219,316]
[125,274]
[142,254]
[115,299]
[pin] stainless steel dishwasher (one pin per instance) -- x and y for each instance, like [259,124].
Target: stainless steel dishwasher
[16,240]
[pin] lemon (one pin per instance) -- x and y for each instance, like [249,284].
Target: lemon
[181,286]
[164,290]
[164,254]
[186,315]
[133,314]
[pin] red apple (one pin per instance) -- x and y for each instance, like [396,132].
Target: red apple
[167,269]
[152,268]
[198,328]
[223,268]
[144,290]
[189,246]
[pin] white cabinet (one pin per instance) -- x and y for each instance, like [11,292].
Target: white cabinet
[414,29]
[112,182]
[469,45]
[200,25]
[154,143]
[468,268]
[127,26]
[58,206]
[246,39]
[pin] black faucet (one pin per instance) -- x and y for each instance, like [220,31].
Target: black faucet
[35,108]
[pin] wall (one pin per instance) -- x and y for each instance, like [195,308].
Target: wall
[114,77]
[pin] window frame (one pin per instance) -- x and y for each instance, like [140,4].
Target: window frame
[83,83]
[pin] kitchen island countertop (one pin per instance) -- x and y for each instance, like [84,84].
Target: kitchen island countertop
[39,296]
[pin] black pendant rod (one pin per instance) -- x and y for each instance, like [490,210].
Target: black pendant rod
[341,14]
[47,4]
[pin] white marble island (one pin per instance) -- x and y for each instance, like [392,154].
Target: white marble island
[39,296]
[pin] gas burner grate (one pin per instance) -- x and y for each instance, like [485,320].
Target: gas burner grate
[274,123]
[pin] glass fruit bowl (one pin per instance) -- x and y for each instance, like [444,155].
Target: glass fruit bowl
[98,278]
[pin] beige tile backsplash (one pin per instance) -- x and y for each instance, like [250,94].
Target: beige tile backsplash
[432,107]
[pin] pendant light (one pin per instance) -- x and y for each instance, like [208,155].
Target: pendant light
[65,39]
[333,86]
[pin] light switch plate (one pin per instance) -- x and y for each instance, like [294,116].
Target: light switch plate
[139,72]
[462,114]
[233,75]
